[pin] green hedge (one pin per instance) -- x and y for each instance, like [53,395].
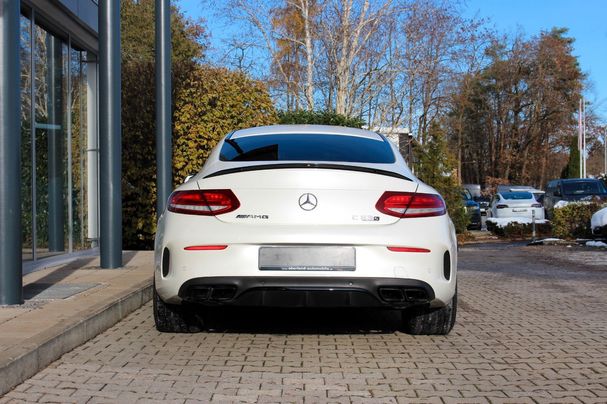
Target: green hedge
[573,220]
[519,230]
[326,117]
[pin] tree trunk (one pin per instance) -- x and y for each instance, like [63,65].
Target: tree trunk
[305,10]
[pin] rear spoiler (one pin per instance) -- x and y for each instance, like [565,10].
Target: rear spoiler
[308,165]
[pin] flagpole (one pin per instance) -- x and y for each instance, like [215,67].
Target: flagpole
[584,134]
[579,137]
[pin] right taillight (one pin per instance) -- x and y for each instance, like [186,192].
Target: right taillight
[410,204]
[209,202]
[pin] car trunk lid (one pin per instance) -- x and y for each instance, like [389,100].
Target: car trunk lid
[307,196]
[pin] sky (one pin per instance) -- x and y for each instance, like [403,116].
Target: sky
[585,19]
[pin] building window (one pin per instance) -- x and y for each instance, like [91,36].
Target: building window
[56,102]
[27,218]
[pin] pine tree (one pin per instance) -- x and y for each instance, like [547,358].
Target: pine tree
[572,169]
[436,168]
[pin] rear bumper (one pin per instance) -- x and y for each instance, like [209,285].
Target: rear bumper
[240,259]
[307,292]
[510,213]
[475,219]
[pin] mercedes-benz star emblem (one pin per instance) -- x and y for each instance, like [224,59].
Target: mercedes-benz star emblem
[308,202]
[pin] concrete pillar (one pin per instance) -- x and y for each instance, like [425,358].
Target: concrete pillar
[164,175]
[110,136]
[11,280]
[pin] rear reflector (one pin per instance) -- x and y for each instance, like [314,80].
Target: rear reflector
[409,249]
[205,247]
[207,202]
[411,204]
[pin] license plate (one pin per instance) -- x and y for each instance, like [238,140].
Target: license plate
[321,258]
[519,210]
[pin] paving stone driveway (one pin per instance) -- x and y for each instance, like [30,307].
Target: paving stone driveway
[531,328]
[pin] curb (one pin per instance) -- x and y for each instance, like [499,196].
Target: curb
[19,364]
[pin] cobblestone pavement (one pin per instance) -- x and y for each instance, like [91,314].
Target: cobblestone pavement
[531,328]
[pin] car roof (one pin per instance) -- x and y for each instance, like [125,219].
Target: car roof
[525,189]
[305,129]
[502,193]
[214,164]
[579,180]
[511,187]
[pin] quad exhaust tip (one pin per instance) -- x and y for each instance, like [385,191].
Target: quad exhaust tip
[392,295]
[212,293]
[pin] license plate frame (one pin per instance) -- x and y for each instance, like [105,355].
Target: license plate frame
[307,258]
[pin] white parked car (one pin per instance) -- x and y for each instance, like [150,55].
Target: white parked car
[537,193]
[305,215]
[515,204]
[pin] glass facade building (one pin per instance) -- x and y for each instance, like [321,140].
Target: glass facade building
[60,147]
[59,130]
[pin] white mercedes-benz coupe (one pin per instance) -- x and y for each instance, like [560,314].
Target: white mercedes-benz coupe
[305,216]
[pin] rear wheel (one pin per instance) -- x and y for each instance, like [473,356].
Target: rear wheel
[175,318]
[431,321]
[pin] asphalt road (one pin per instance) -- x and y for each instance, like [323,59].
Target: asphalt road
[532,327]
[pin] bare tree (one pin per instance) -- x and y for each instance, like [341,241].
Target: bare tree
[285,32]
[236,55]
[348,28]
[307,10]
[438,45]
[390,61]
[255,16]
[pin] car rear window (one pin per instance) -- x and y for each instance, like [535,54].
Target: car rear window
[466,194]
[307,147]
[583,188]
[517,195]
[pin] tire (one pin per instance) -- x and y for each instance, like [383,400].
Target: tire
[431,321]
[175,318]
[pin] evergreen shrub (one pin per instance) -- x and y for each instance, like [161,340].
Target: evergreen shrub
[573,220]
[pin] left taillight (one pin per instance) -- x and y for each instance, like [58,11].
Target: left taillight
[209,202]
[411,204]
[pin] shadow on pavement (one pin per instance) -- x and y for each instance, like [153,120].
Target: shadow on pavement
[302,320]
[127,256]
[54,277]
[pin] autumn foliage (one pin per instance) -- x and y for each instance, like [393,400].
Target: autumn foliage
[211,103]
